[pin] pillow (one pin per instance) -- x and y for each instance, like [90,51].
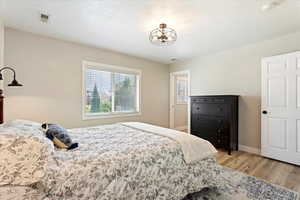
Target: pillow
[23,124]
[25,128]
[24,153]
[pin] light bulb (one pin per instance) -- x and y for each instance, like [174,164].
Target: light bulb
[266,7]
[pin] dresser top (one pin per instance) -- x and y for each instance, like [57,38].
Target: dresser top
[214,96]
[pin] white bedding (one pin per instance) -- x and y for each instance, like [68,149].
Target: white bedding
[193,148]
[112,162]
[23,153]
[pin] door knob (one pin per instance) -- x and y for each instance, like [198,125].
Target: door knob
[264,112]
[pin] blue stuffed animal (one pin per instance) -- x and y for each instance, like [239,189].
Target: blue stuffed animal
[59,136]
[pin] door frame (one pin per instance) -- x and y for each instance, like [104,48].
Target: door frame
[172,97]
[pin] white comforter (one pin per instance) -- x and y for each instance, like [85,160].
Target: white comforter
[193,148]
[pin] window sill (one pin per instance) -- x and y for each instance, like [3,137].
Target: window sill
[107,116]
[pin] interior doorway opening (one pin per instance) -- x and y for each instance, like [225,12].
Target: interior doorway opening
[180,100]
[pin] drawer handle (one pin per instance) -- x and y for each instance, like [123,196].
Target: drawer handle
[219,100]
[198,108]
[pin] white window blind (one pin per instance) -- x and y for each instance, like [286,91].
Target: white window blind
[181,90]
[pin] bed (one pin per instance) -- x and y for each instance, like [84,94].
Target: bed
[119,161]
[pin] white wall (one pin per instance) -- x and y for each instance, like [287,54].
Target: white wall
[1,43]
[51,71]
[238,71]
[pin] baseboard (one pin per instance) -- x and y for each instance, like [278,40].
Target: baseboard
[249,149]
[181,128]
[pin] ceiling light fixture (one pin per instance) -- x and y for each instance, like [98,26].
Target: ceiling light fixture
[163,35]
[44,18]
[269,5]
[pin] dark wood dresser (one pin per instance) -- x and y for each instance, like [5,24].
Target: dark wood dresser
[215,118]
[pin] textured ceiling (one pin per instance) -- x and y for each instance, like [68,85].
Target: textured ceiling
[203,26]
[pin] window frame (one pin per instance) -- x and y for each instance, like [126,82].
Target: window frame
[186,91]
[116,69]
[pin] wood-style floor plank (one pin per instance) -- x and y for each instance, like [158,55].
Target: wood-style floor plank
[274,171]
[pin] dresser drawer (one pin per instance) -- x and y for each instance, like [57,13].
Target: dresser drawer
[209,100]
[209,136]
[200,124]
[203,100]
[219,138]
[209,109]
[218,100]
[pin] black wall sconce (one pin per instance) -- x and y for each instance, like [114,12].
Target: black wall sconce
[14,83]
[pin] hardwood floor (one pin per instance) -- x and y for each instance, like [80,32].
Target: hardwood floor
[276,172]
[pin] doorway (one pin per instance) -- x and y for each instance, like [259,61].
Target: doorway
[180,101]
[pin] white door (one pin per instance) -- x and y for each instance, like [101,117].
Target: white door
[280,114]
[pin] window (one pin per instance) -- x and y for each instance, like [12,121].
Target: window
[181,90]
[110,91]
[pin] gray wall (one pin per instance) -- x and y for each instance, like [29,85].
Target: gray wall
[51,71]
[238,71]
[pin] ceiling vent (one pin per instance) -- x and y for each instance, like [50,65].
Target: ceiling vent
[44,18]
